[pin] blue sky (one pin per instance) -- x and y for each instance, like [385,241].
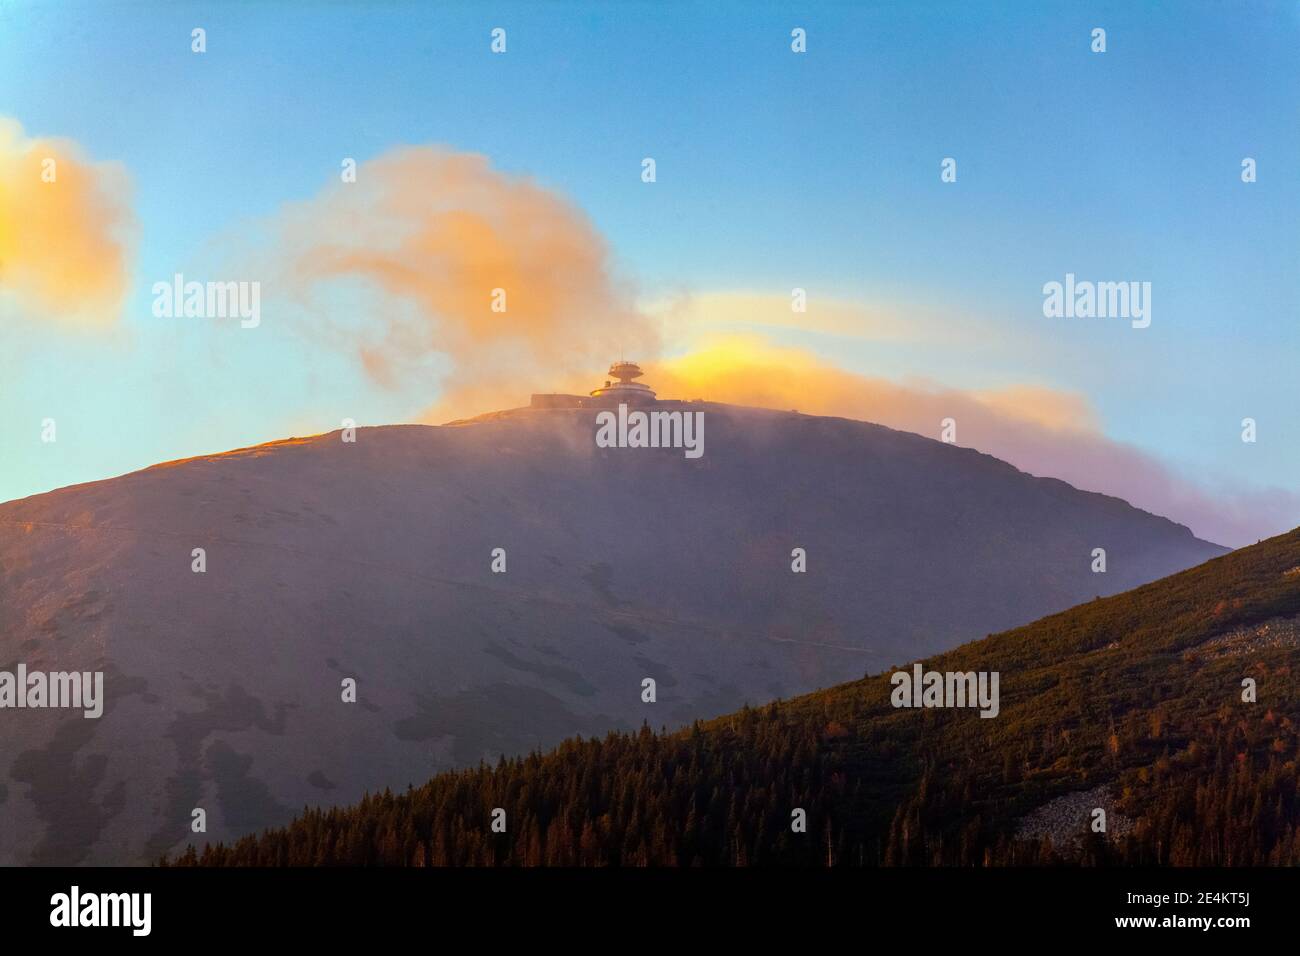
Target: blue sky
[774,170]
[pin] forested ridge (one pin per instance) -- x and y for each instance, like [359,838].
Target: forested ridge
[1140,693]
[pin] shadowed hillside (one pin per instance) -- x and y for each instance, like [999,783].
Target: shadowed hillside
[371,560]
[1132,704]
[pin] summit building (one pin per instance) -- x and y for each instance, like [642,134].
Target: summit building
[619,389]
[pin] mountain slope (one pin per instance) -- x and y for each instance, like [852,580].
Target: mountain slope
[1131,703]
[371,560]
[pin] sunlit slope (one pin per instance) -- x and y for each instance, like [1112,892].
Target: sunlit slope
[371,560]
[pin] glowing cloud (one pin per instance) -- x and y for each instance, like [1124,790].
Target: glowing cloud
[747,370]
[64,223]
[1039,430]
[428,241]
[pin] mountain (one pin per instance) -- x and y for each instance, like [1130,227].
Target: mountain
[1132,704]
[329,560]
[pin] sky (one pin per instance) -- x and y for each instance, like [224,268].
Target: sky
[774,171]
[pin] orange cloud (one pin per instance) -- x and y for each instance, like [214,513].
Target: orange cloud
[435,234]
[747,370]
[1040,430]
[685,316]
[63,227]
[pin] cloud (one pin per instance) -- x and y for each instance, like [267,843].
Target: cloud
[885,321]
[748,369]
[419,243]
[687,315]
[1040,430]
[63,242]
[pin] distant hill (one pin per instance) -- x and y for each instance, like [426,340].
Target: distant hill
[328,560]
[1132,704]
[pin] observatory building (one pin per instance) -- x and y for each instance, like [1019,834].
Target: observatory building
[619,389]
[622,388]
